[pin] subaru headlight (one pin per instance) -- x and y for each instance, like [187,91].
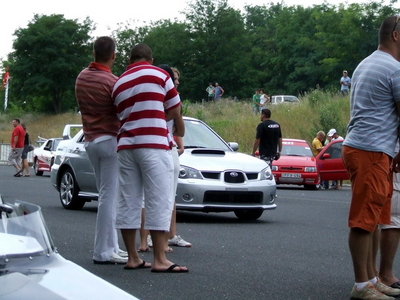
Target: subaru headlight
[186,173]
[266,174]
[310,169]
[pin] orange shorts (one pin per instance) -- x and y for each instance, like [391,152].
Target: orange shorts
[371,185]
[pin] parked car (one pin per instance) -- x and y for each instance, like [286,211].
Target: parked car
[213,176]
[297,165]
[31,267]
[330,164]
[43,157]
[284,99]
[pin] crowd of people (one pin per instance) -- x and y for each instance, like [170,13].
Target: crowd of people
[129,123]
[133,128]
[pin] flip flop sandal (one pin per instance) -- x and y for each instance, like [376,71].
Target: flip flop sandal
[141,266]
[171,270]
[395,285]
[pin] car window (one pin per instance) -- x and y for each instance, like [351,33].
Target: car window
[81,139]
[291,99]
[49,144]
[335,150]
[296,150]
[55,144]
[198,135]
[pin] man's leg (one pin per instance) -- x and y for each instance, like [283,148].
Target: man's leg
[134,261]
[129,205]
[157,172]
[389,242]
[144,247]
[360,244]
[104,160]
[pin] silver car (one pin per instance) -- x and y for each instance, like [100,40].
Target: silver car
[213,177]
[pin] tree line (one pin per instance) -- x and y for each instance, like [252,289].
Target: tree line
[282,49]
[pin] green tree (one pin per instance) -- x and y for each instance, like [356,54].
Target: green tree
[48,56]
[346,35]
[218,45]
[125,38]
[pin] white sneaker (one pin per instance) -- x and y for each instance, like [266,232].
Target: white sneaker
[122,253]
[149,241]
[178,241]
[369,292]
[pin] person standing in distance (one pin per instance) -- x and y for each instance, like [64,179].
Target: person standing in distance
[368,158]
[210,92]
[17,146]
[218,91]
[345,83]
[268,138]
[24,156]
[93,89]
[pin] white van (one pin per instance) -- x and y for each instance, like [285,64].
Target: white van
[284,99]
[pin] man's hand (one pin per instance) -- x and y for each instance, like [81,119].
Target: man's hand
[395,167]
[277,156]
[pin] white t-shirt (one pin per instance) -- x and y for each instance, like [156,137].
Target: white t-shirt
[263,99]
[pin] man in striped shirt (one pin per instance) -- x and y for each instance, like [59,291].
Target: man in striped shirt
[145,98]
[100,126]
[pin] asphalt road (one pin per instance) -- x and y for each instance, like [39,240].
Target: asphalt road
[298,251]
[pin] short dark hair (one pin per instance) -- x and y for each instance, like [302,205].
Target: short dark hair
[103,49]
[17,120]
[167,69]
[387,27]
[266,112]
[141,52]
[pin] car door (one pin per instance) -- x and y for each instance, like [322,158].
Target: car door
[46,154]
[330,164]
[82,167]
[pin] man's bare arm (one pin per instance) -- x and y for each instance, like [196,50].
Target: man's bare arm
[255,146]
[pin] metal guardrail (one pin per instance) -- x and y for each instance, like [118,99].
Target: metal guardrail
[5,152]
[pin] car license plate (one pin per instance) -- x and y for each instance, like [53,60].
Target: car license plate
[291,175]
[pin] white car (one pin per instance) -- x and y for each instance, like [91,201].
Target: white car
[43,157]
[279,99]
[213,176]
[31,267]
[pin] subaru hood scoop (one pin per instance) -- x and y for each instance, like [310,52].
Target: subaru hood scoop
[208,151]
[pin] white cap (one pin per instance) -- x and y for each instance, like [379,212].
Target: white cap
[331,132]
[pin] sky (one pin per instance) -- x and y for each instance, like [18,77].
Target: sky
[17,14]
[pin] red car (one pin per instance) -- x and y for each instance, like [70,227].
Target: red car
[330,164]
[297,165]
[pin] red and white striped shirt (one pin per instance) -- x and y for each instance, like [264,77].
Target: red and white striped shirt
[142,95]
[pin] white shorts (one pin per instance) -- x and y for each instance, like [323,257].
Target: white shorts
[145,173]
[175,159]
[395,212]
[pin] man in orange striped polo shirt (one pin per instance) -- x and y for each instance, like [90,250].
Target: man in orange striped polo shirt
[100,125]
